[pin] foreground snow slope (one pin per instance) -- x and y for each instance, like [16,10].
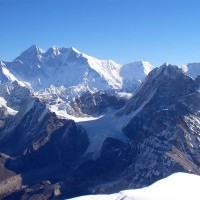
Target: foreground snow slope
[179,186]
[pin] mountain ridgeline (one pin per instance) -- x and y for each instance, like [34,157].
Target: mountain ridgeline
[72,125]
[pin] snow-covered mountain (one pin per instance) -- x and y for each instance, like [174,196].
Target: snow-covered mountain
[177,186]
[62,76]
[68,67]
[63,67]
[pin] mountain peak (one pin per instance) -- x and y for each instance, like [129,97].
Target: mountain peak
[166,70]
[35,48]
[31,52]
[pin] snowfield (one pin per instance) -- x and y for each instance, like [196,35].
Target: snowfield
[178,186]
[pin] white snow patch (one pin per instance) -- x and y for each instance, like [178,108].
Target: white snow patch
[100,129]
[11,77]
[3,103]
[125,95]
[100,197]
[63,114]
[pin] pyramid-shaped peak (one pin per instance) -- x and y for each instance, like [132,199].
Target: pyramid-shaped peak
[31,52]
[35,48]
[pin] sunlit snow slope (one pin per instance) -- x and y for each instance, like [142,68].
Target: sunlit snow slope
[179,186]
[68,67]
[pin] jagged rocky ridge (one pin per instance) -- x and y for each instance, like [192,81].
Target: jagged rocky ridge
[155,134]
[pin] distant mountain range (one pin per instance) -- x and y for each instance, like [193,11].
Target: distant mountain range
[72,125]
[68,67]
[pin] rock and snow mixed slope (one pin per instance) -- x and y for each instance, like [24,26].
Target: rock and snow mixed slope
[177,186]
[161,125]
[139,141]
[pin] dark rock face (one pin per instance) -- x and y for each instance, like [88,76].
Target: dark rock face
[97,103]
[163,85]
[165,132]
[14,94]
[42,146]
[64,148]
[34,126]
[4,115]
[114,158]
[26,128]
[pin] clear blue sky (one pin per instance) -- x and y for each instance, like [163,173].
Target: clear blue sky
[122,30]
